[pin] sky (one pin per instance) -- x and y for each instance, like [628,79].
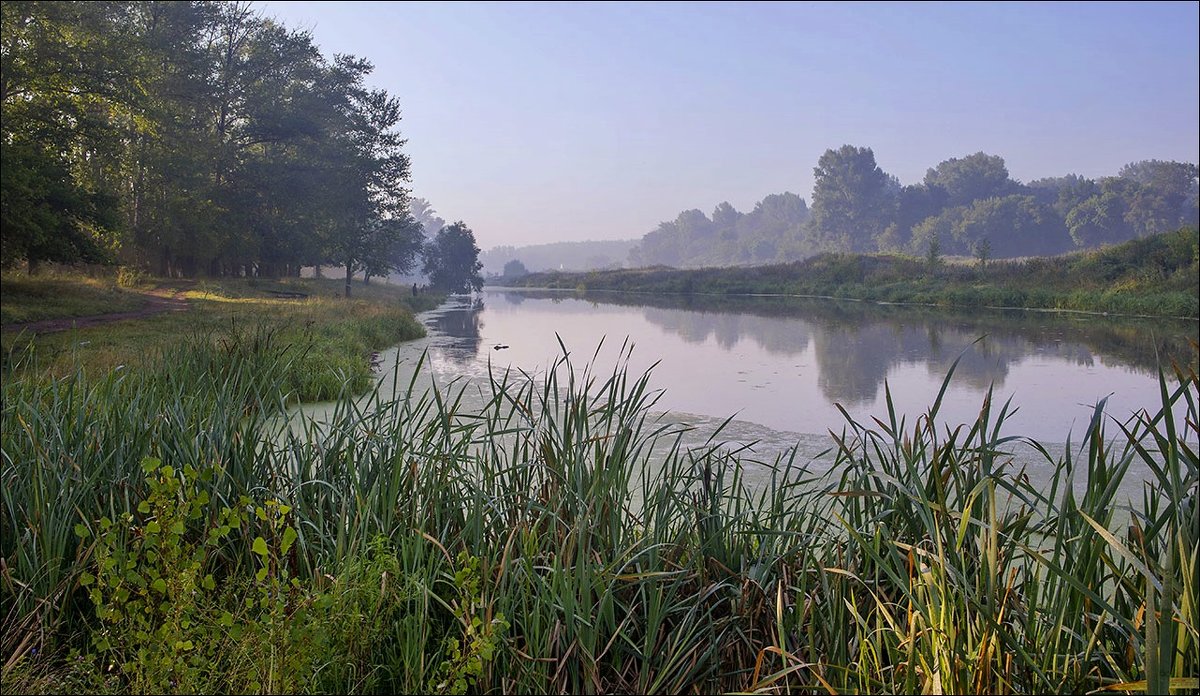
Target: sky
[540,122]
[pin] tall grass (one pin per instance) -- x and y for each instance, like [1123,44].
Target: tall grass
[561,539]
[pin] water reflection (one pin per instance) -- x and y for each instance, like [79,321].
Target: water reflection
[462,321]
[791,365]
[858,344]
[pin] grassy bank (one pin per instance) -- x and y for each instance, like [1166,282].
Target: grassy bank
[161,534]
[329,340]
[1155,276]
[63,295]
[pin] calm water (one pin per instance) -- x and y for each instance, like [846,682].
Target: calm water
[781,367]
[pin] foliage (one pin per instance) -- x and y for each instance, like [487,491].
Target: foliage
[452,259]
[857,207]
[559,539]
[194,138]
[1155,276]
[515,269]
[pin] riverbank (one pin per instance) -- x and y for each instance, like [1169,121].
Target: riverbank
[163,533]
[328,340]
[1156,276]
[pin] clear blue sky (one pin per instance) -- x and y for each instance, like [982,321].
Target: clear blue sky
[544,122]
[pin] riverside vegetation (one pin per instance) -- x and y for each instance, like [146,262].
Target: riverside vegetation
[1158,276]
[168,529]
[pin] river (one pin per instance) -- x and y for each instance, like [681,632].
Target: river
[785,368]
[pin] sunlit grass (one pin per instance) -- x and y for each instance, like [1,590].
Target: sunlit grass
[55,296]
[333,337]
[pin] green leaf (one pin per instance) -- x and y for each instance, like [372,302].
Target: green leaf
[160,586]
[208,583]
[226,619]
[261,574]
[149,464]
[86,579]
[153,528]
[289,538]
[260,546]
[82,531]
[144,507]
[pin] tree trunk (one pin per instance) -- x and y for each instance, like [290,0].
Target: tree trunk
[317,271]
[349,273]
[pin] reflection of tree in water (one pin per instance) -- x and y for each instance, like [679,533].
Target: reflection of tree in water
[462,322]
[514,298]
[857,344]
[782,336]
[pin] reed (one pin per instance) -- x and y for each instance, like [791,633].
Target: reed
[561,538]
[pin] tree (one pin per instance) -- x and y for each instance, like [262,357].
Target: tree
[1164,198]
[515,269]
[1012,226]
[853,199]
[65,80]
[423,214]
[1099,219]
[452,259]
[370,206]
[971,178]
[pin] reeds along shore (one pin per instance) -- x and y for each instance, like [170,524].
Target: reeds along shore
[167,531]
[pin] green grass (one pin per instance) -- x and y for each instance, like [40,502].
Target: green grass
[27,299]
[330,339]
[560,539]
[1155,276]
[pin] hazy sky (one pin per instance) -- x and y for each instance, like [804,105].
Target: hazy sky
[545,122]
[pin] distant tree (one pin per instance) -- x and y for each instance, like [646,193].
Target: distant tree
[664,246]
[933,252]
[971,178]
[1100,218]
[400,247]
[452,259]
[914,204]
[774,230]
[1165,197]
[725,217]
[1063,192]
[853,199]
[983,252]
[937,231]
[515,269]
[425,216]
[1013,225]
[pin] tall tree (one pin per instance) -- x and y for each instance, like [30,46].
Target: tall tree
[66,80]
[853,199]
[372,213]
[971,178]
[452,259]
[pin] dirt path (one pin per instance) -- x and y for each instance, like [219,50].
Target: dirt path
[157,302]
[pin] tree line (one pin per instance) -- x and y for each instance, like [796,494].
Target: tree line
[198,138]
[967,206]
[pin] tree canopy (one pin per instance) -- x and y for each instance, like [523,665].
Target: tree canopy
[452,259]
[967,206]
[195,137]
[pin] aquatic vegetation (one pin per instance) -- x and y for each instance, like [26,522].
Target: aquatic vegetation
[562,539]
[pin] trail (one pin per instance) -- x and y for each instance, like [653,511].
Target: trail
[158,301]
